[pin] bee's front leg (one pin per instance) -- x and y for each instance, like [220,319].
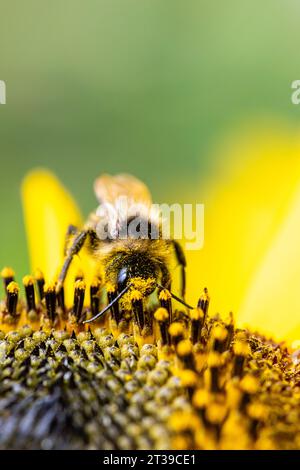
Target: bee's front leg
[165,277]
[71,251]
[71,230]
[180,256]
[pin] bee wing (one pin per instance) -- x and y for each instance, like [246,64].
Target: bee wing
[109,188]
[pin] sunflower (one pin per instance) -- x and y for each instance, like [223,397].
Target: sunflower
[161,378]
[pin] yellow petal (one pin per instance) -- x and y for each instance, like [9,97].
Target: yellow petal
[273,300]
[246,206]
[48,210]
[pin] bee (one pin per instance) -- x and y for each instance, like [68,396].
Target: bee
[133,246]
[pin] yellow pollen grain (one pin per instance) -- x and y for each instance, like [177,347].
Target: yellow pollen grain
[38,275]
[241,348]
[233,396]
[184,348]
[7,272]
[135,295]
[176,329]
[49,287]
[110,288]
[13,288]
[201,398]
[181,442]
[164,295]
[241,336]
[80,285]
[28,280]
[220,333]
[216,413]
[95,282]
[257,411]
[161,315]
[196,314]
[214,359]
[204,439]
[249,384]
[143,285]
[181,422]
[188,378]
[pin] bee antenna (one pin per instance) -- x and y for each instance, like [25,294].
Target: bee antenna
[176,298]
[100,314]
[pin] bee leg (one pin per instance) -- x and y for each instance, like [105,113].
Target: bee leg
[76,246]
[71,230]
[166,277]
[166,284]
[180,256]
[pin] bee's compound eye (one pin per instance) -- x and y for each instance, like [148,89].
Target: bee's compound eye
[123,277]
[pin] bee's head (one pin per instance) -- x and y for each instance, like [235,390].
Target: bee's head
[137,268]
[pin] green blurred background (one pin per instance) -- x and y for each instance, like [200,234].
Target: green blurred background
[142,86]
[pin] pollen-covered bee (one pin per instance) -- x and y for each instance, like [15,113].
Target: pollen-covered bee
[125,236]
